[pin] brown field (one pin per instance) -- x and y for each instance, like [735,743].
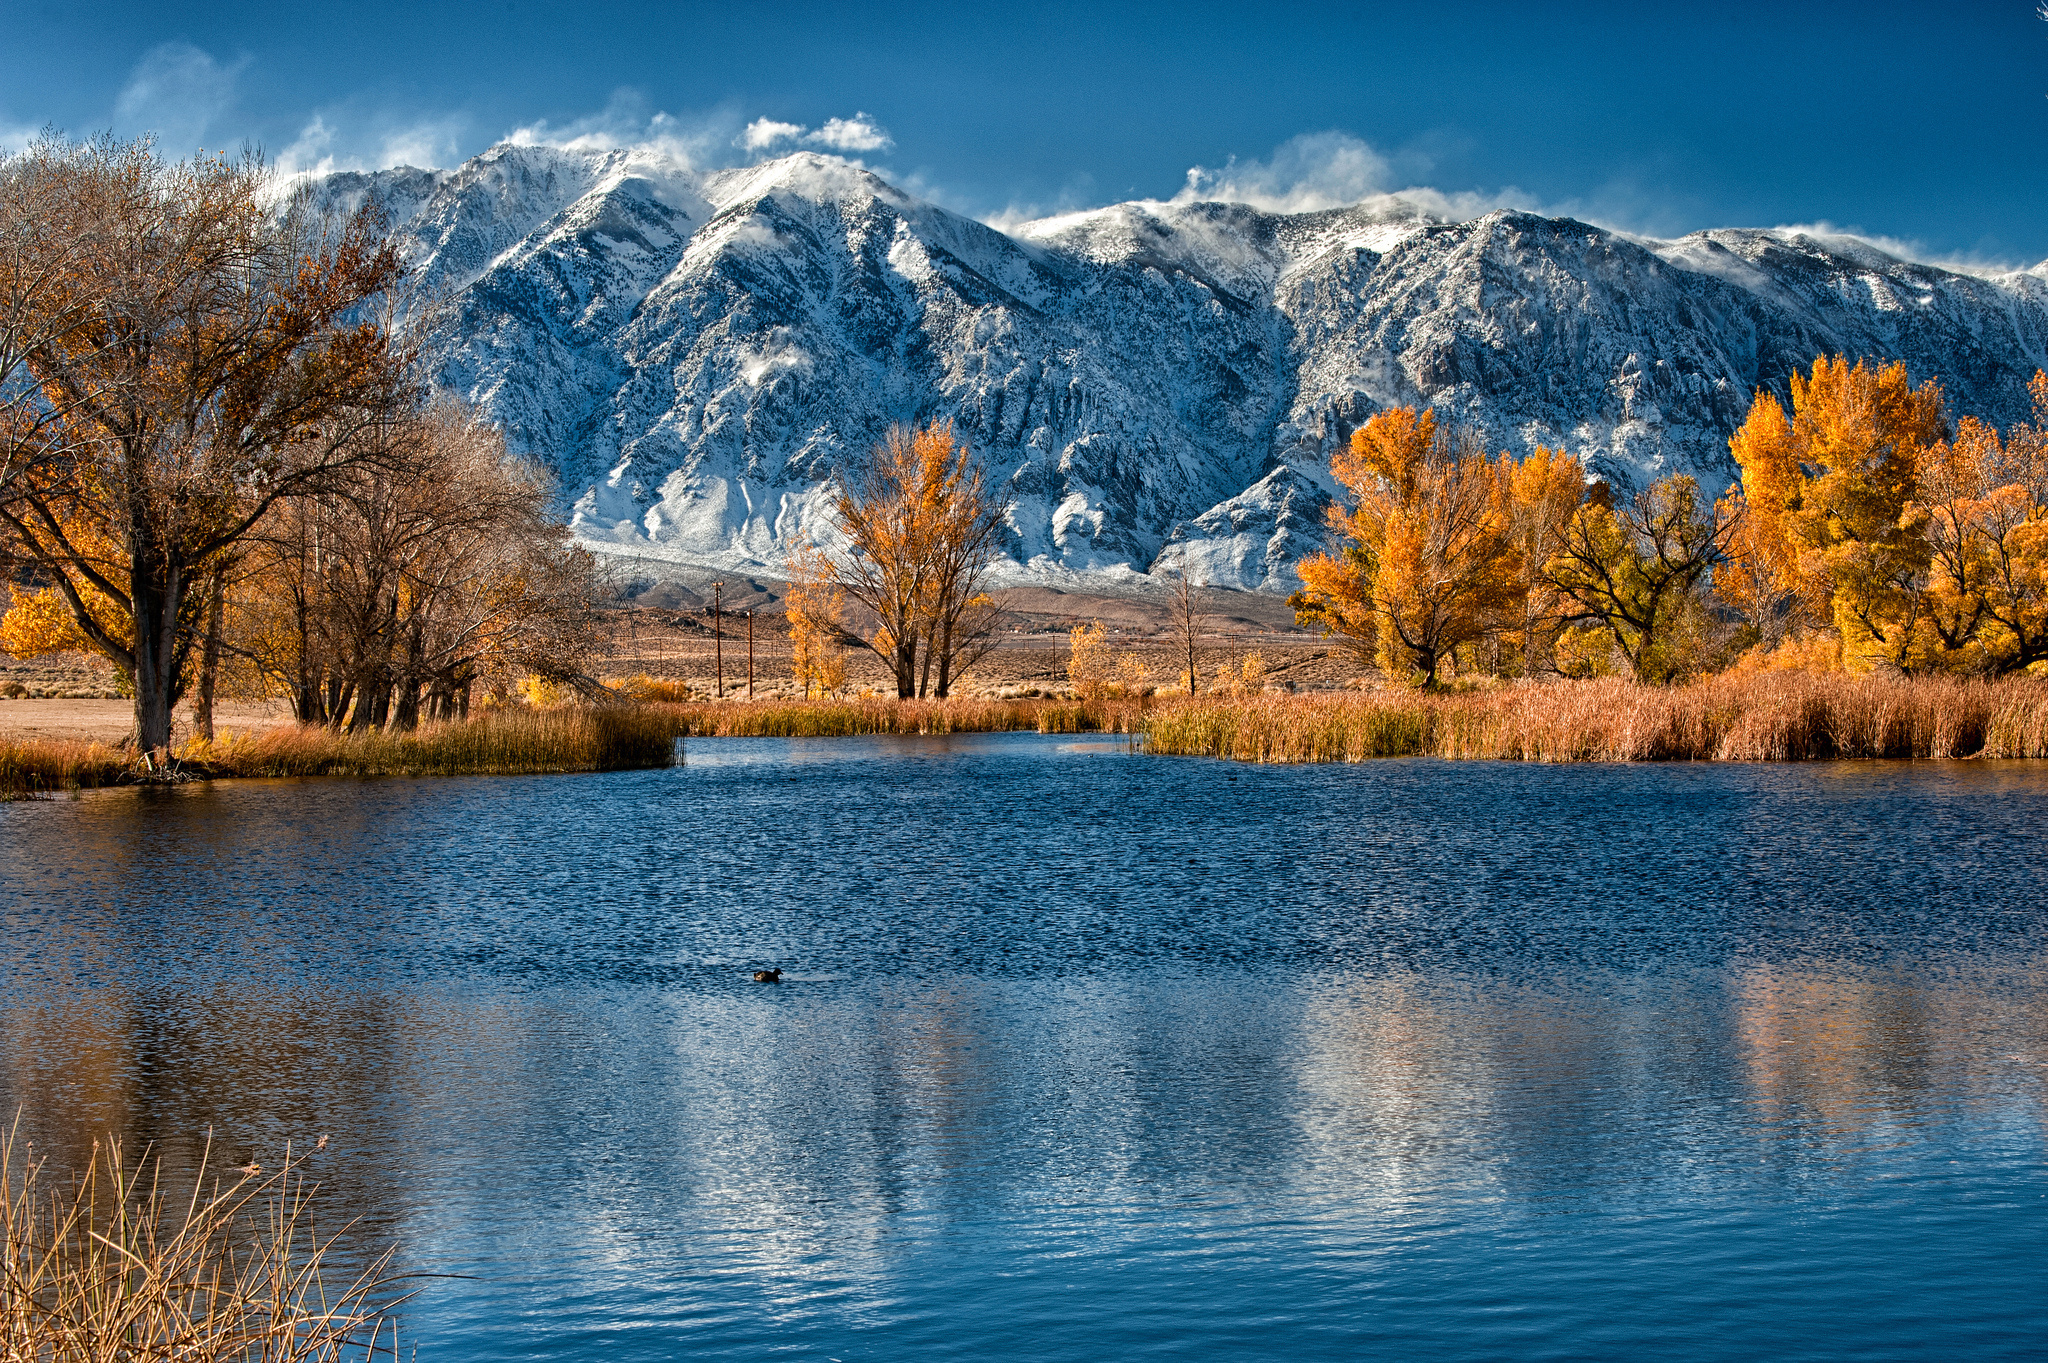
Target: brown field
[667,634]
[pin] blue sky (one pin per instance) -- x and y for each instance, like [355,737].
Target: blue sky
[1924,124]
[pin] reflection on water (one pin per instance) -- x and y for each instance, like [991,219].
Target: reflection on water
[1085,1056]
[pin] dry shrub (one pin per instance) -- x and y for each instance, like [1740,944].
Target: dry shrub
[652,690]
[1764,716]
[111,1267]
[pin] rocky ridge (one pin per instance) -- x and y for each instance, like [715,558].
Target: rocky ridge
[1157,385]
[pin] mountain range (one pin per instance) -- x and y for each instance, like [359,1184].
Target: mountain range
[1155,385]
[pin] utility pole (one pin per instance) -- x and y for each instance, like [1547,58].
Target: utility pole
[718,637]
[750,655]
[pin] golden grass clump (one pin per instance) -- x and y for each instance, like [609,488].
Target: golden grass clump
[504,742]
[1770,716]
[44,765]
[874,715]
[113,1267]
[652,690]
[1311,728]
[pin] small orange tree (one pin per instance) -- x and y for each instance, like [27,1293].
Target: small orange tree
[816,609]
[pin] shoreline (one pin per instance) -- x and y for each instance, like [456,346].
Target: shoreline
[1757,717]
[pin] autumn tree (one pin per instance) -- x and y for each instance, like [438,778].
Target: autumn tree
[1536,498]
[1875,520]
[816,610]
[1090,665]
[923,527]
[1983,511]
[226,365]
[1425,563]
[1636,573]
[381,601]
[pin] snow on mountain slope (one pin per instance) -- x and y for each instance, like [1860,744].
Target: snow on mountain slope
[1159,385]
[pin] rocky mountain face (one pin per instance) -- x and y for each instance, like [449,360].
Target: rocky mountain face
[1158,386]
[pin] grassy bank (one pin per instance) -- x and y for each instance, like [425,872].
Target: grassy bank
[513,742]
[852,718]
[1771,717]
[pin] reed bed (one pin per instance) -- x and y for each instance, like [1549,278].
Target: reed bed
[112,1267]
[1768,717]
[37,766]
[853,718]
[510,742]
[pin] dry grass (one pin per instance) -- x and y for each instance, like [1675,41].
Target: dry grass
[510,742]
[1769,717]
[850,718]
[44,765]
[110,1267]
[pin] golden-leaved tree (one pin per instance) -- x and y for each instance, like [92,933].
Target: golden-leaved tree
[1921,548]
[923,525]
[816,610]
[1537,498]
[1426,562]
[1635,573]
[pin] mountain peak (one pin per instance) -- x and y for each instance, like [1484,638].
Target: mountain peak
[1154,382]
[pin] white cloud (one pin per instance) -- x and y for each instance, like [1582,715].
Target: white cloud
[859,133]
[429,143]
[764,133]
[177,92]
[1305,173]
[627,123]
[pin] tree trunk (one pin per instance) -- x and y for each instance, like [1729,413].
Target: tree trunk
[156,591]
[945,660]
[906,669]
[209,658]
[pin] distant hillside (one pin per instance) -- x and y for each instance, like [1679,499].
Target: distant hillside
[1161,385]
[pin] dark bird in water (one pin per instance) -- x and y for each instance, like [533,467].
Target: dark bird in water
[768,977]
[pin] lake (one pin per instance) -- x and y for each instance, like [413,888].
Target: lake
[1085,1055]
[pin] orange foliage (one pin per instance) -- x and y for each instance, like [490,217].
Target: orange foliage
[1863,516]
[1427,562]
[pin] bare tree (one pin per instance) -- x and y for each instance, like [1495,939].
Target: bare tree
[380,602]
[1187,619]
[47,290]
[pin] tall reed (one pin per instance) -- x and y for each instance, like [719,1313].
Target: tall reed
[112,1267]
[1782,716]
[612,738]
[28,768]
[851,718]
[510,742]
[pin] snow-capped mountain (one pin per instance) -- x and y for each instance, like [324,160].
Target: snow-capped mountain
[1159,385]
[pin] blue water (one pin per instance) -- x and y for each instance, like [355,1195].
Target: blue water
[1083,1055]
